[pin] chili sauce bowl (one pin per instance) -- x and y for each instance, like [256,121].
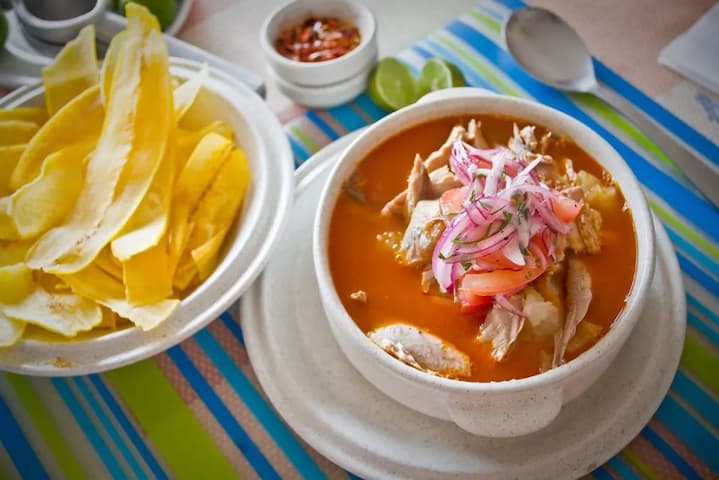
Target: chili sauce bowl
[494,409]
[304,81]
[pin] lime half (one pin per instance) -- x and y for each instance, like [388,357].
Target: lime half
[437,74]
[392,85]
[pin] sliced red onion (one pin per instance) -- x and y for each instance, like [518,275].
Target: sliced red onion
[505,304]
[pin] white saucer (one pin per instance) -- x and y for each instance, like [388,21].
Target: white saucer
[335,410]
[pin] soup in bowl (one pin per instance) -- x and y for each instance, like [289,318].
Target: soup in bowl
[482,259]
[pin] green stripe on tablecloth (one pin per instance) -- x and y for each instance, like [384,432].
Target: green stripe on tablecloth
[640,465]
[491,23]
[174,430]
[701,363]
[45,426]
[305,139]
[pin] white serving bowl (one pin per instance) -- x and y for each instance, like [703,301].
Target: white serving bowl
[357,62]
[246,248]
[494,409]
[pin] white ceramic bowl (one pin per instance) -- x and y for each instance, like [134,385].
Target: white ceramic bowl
[325,96]
[355,63]
[246,250]
[494,409]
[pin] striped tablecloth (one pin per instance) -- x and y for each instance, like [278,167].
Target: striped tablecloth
[197,411]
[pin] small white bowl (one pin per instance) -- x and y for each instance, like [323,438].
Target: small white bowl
[494,409]
[312,74]
[325,96]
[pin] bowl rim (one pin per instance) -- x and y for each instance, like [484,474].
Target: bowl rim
[262,124]
[421,113]
[365,41]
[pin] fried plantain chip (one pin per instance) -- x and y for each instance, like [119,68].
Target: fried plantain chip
[9,156]
[187,140]
[28,114]
[73,71]
[93,283]
[149,222]
[16,283]
[11,331]
[79,120]
[184,95]
[63,313]
[48,199]
[143,287]
[7,226]
[129,150]
[109,65]
[196,176]
[109,264]
[13,132]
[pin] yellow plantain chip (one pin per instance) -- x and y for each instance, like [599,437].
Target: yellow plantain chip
[10,331]
[147,276]
[9,156]
[109,264]
[196,176]
[149,222]
[7,226]
[206,255]
[28,114]
[13,132]
[48,199]
[109,319]
[185,274]
[16,283]
[216,211]
[119,173]
[187,140]
[109,65]
[13,252]
[184,95]
[63,313]
[73,71]
[79,120]
[93,283]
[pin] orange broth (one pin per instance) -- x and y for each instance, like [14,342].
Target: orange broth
[359,261]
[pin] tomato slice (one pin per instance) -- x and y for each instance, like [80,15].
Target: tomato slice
[565,208]
[470,303]
[452,201]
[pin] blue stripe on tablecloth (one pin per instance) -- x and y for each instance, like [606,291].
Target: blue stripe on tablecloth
[347,117]
[18,447]
[322,125]
[233,326]
[691,269]
[695,435]
[620,466]
[372,109]
[300,153]
[223,416]
[602,474]
[264,414]
[687,202]
[694,302]
[702,402]
[705,329]
[665,449]
[88,428]
[115,437]
[127,426]
[703,261]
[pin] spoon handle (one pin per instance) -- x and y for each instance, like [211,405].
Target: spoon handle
[703,175]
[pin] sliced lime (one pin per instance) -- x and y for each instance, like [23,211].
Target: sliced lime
[392,85]
[437,74]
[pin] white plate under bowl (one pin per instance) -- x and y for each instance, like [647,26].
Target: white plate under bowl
[246,251]
[335,410]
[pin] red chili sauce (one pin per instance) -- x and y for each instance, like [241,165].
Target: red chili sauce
[318,39]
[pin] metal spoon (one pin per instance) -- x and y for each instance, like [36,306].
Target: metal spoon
[553,53]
